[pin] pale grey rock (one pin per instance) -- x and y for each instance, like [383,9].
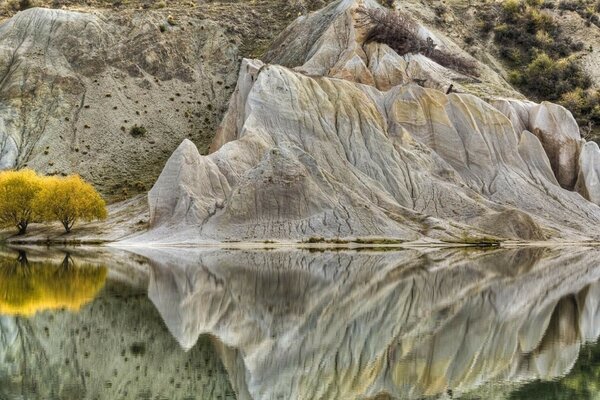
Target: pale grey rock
[588,182]
[517,111]
[410,151]
[532,152]
[556,129]
[75,83]
[331,43]
[324,150]
[411,323]
[200,186]
[559,133]
[234,122]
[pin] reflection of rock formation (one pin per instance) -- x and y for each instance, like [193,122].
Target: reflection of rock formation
[116,347]
[324,325]
[28,287]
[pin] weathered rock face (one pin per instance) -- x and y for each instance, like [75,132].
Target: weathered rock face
[588,182]
[74,84]
[330,43]
[325,150]
[556,130]
[411,323]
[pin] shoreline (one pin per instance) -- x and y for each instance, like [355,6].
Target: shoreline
[333,244]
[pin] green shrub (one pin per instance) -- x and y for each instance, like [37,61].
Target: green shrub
[512,7]
[540,56]
[137,131]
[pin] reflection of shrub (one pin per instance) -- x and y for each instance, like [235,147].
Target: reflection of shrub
[27,288]
[401,33]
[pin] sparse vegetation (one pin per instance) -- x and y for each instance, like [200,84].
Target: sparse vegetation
[137,131]
[587,9]
[401,33]
[542,59]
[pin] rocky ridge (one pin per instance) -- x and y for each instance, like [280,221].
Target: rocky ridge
[339,138]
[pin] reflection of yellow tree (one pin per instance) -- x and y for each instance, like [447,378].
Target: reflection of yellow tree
[29,287]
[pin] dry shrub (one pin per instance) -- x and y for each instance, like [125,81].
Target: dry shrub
[401,33]
[460,64]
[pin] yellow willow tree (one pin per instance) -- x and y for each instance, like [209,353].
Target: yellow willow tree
[18,190]
[68,200]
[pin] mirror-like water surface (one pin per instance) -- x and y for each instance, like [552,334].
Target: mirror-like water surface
[299,324]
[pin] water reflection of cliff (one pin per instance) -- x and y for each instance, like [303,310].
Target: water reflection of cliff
[28,286]
[408,324]
[114,347]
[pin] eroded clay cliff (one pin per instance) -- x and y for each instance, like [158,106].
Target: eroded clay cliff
[350,139]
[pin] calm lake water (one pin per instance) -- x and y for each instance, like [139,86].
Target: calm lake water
[297,324]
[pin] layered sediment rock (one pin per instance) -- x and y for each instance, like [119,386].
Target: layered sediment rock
[343,142]
[409,324]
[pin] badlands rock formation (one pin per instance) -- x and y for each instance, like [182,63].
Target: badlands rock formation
[408,324]
[339,138]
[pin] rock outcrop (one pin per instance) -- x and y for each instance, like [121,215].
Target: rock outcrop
[588,182]
[410,324]
[342,142]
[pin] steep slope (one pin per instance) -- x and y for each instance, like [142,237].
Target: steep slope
[408,324]
[347,144]
[75,84]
